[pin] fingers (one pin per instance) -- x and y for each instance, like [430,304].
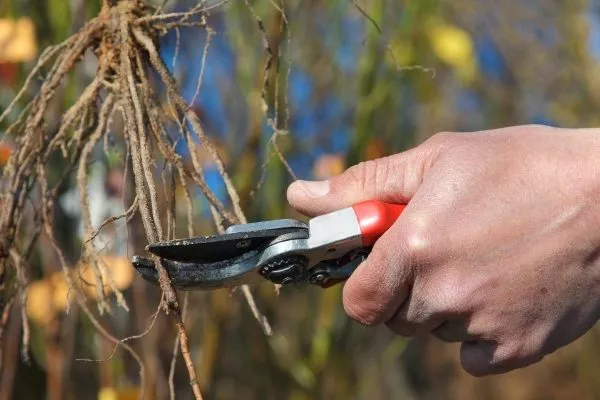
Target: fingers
[393,179]
[379,286]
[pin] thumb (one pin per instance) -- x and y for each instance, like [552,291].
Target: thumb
[393,179]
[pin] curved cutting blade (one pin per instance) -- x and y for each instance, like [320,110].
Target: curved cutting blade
[193,276]
[235,242]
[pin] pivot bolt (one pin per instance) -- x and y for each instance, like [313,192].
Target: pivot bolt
[285,270]
[320,278]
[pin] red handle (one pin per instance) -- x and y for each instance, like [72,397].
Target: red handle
[375,218]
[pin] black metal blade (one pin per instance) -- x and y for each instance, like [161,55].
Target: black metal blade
[192,276]
[239,240]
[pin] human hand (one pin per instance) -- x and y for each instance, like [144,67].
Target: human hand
[498,248]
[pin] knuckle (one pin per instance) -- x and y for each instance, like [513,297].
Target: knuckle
[539,127]
[507,353]
[417,241]
[419,312]
[456,293]
[519,353]
[443,299]
[441,138]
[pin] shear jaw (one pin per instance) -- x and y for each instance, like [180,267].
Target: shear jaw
[194,276]
[332,238]
[300,256]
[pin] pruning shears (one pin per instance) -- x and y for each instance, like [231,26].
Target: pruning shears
[322,252]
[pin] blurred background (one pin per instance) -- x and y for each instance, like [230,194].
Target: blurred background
[354,80]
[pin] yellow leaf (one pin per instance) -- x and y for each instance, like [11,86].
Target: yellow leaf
[129,393]
[121,270]
[17,40]
[107,393]
[40,307]
[453,46]
[125,393]
[60,291]
[51,295]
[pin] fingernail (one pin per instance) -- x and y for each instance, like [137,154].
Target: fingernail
[315,188]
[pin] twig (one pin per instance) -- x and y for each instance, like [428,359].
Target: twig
[134,117]
[46,55]
[113,285]
[176,351]
[367,16]
[21,164]
[133,337]
[269,56]
[167,79]
[83,193]
[144,154]
[209,34]
[182,15]
[262,320]
[4,322]
[158,64]
[177,44]
[273,143]
[273,122]
[160,7]
[131,126]
[185,352]
[46,223]
[130,211]
[388,47]
[78,112]
[172,368]
[22,277]
[168,199]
